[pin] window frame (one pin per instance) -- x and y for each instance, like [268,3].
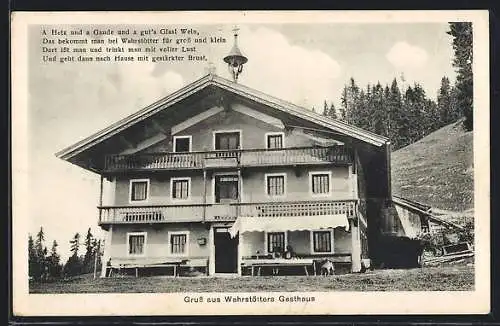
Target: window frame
[266,235]
[186,247]
[141,233]
[174,145]
[131,182]
[214,138]
[330,188]
[266,139]
[311,242]
[266,184]
[229,173]
[172,180]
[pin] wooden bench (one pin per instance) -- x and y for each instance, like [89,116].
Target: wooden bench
[278,263]
[197,262]
[175,264]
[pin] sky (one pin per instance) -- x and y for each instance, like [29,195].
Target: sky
[302,63]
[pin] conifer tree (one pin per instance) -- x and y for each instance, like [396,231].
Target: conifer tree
[41,254]
[332,113]
[325,109]
[75,244]
[74,264]
[444,102]
[462,47]
[89,251]
[33,266]
[54,261]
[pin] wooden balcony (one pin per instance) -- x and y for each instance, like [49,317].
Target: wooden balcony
[221,212]
[338,154]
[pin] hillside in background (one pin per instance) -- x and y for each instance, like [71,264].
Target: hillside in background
[437,170]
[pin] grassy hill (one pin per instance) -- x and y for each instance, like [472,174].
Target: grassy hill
[437,170]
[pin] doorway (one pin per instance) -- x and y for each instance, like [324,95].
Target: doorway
[226,251]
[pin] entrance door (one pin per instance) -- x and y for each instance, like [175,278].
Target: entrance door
[226,251]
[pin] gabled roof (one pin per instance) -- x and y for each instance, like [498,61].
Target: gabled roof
[211,79]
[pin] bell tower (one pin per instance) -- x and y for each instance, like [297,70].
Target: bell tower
[235,59]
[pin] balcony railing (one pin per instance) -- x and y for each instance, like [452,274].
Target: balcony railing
[225,212]
[251,157]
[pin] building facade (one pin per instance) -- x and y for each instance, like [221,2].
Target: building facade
[218,176]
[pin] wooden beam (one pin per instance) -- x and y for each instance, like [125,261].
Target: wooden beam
[145,144]
[196,119]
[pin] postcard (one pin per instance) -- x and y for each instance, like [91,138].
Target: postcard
[250,163]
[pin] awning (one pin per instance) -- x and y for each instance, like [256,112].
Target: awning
[288,223]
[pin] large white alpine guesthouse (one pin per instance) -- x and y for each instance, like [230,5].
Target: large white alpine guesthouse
[218,178]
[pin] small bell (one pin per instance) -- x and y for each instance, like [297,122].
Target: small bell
[235,59]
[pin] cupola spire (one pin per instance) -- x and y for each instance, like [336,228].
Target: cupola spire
[235,59]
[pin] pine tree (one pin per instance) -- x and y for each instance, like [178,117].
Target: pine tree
[325,109]
[350,102]
[75,244]
[33,266]
[74,264]
[431,116]
[444,102]
[378,111]
[54,261]
[462,47]
[394,108]
[344,109]
[41,255]
[89,250]
[332,113]
[40,238]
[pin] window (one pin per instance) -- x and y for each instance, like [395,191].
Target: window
[274,140]
[182,144]
[276,242]
[226,188]
[178,243]
[275,184]
[179,188]
[136,242]
[227,140]
[139,190]
[320,183]
[321,241]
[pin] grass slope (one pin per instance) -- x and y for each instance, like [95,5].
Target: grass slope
[437,170]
